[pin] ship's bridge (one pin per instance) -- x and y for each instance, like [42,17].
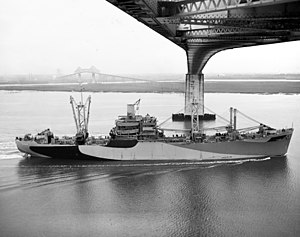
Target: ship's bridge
[204,27]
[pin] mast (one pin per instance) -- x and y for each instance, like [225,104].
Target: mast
[234,119]
[194,117]
[230,122]
[81,114]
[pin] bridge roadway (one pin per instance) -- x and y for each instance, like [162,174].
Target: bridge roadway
[205,27]
[104,77]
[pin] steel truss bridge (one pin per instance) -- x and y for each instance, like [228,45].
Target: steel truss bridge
[205,27]
[97,76]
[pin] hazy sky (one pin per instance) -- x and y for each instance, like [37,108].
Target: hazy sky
[39,36]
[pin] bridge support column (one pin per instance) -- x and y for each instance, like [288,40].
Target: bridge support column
[194,93]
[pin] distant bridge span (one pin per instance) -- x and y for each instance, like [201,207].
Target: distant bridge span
[205,27]
[94,71]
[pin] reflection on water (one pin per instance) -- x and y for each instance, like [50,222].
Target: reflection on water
[76,198]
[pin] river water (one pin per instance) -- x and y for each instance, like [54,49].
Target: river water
[48,197]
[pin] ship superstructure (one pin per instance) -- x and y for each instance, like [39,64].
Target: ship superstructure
[133,125]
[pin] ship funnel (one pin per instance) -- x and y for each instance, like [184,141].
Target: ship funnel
[130,110]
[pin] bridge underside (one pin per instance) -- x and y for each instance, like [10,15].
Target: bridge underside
[205,27]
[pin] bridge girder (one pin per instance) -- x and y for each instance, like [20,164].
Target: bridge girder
[204,27]
[195,7]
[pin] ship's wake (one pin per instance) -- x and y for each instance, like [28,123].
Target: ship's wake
[37,172]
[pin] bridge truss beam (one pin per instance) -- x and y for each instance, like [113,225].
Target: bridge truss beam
[217,23]
[193,7]
[205,27]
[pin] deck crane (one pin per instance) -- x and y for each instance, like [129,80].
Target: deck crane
[81,113]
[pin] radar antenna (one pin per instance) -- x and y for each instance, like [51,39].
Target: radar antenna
[81,114]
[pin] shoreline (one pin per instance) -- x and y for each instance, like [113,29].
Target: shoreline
[249,87]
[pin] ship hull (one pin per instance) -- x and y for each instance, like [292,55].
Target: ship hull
[276,145]
[160,151]
[51,151]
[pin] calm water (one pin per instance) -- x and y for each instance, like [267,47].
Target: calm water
[48,197]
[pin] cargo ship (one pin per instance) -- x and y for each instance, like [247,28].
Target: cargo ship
[139,138]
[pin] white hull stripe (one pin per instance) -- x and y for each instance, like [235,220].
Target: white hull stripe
[157,151]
